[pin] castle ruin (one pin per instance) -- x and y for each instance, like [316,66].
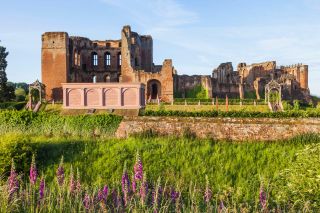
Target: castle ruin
[72,59]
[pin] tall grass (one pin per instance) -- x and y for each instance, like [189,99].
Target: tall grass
[239,167]
[135,191]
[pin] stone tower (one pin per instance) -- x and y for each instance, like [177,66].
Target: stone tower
[54,63]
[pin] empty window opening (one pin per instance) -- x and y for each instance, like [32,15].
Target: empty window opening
[108,59]
[119,59]
[79,59]
[94,79]
[76,58]
[95,59]
[107,78]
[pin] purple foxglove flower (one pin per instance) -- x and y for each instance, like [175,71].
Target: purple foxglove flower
[263,198]
[33,171]
[144,190]
[78,184]
[221,206]
[72,184]
[207,195]
[138,169]
[105,191]
[41,188]
[125,182]
[86,201]
[13,181]
[134,186]
[115,198]
[207,192]
[60,173]
[100,195]
[174,195]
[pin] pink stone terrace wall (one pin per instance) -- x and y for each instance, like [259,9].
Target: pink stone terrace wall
[103,95]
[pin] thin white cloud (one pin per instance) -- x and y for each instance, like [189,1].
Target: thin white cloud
[156,14]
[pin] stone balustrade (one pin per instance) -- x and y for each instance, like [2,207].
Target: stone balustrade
[103,95]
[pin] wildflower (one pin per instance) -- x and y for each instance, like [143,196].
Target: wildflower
[125,182]
[221,206]
[103,194]
[105,191]
[86,201]
[207,192]
[134,185]
[72,183]
[78,184]
[143,192]
[41,188]
[262,198]
[138,168]
[33,171]
[174,195]
[13,181]
[100,195]
[115,198]
[125,186]
[60,173]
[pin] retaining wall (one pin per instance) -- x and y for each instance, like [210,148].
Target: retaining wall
[221,128]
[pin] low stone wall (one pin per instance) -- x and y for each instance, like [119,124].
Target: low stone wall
[221,128]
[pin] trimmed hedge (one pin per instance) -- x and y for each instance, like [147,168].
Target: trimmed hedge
[222,101]
[43,123]
[235,114]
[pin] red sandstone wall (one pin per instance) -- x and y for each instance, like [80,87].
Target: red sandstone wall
[54,63]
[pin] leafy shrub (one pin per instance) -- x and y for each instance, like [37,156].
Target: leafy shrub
[54,124]
[296,105]
[16,147]
[222,101]
[286,105]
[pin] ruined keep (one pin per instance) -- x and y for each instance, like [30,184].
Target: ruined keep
[71,59]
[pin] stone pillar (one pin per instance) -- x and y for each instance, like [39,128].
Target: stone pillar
[64,98]
[241,92]
[83,98]
[120,96]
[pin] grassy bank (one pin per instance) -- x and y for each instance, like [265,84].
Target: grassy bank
[54,124]
[239,167]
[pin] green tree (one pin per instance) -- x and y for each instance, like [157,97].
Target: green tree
[6,92]
[20,94]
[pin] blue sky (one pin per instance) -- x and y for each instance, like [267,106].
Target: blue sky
[197,35]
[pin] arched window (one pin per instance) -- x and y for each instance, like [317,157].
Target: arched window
[119,59]
[79,59]
[107,59]
[75,58]
[107,78]
[94,79]
[95,59]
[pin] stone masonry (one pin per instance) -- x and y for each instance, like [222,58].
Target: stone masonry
[73,59]
[237,129]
